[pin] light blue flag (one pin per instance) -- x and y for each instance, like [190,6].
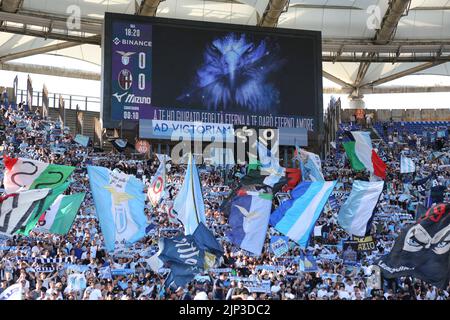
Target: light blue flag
[83,140]
[119,202]
[406,165]
[188,206]
[310,165]
[356,213]
[314,172]
[296,217]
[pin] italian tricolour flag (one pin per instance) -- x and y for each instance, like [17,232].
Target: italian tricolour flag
[362,155]
[26,174]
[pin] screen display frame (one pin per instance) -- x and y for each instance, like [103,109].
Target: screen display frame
[106,112]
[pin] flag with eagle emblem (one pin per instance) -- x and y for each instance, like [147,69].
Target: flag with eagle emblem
[119,201]
[249,218]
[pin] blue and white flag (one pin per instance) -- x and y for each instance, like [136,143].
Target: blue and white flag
[249,218]
[121,272]
[406,165]
[119,202]
[105,272]
[311,165]
[296,217]
[270,164]
[357,210]
[188,206]
[187,255]
[76,281]
[279,245]
[332,201]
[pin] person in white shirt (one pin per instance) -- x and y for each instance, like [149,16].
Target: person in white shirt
[349,286]
[322,292]
[52,289]
[43,295]
[96,293]
[275,288]
[342,293]
[431,293]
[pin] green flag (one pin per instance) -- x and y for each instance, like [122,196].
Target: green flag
[35,215]
[59,218]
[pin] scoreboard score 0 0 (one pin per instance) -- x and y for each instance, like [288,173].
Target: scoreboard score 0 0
[130,69]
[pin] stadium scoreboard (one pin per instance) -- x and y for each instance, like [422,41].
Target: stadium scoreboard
[183,71]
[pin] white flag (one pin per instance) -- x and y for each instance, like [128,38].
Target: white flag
[16,208]
[13,292]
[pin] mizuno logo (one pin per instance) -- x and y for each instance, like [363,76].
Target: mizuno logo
[131,98]
[119,96]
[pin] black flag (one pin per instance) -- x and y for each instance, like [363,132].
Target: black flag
[422,250]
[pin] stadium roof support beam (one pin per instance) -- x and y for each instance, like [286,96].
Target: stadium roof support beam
[50,27]
[41,50]
[11,5]
[383,36]
[336,80]
[273,12]
[401,74]
[50,71]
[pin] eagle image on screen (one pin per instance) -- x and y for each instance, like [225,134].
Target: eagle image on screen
[236,76]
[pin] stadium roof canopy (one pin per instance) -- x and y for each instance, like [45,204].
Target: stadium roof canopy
[365,43]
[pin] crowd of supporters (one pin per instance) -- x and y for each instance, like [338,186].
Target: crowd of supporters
[71,267]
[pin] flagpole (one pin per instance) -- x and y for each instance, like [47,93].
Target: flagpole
[192,186]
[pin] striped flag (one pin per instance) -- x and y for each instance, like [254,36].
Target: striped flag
[357,211]
[406,165]
[296,217]
[188,205]
[361,154]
